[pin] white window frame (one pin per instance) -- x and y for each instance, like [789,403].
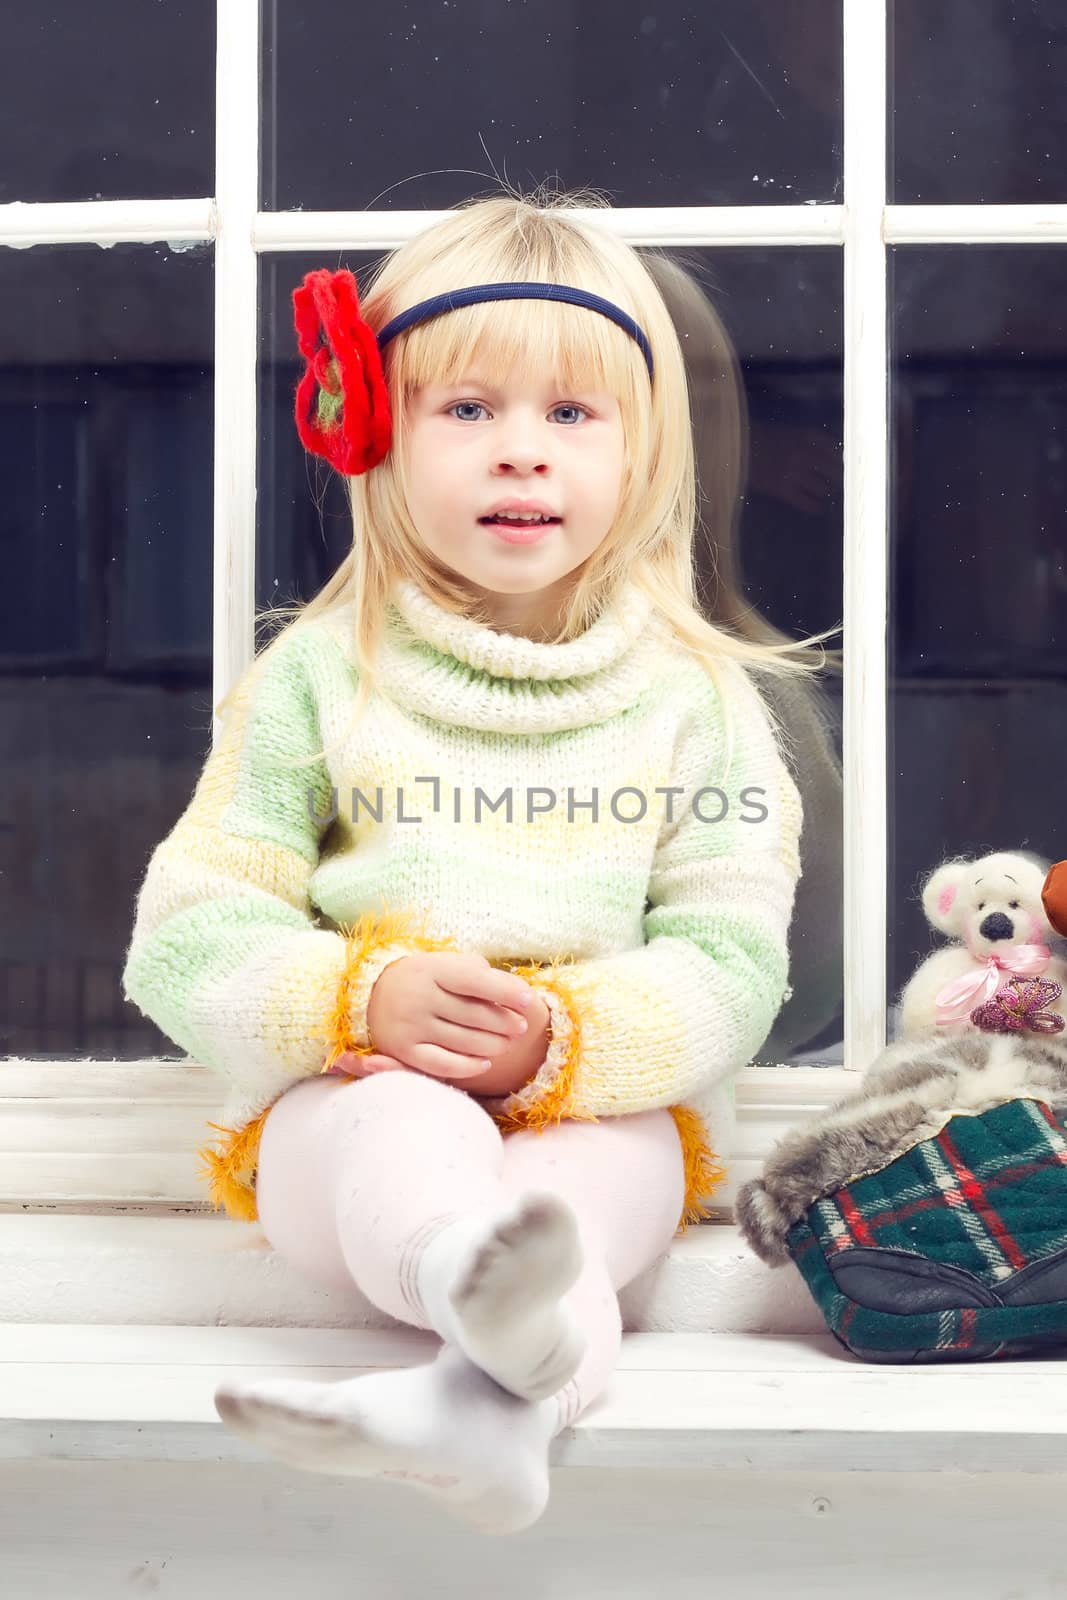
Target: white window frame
[63,1124]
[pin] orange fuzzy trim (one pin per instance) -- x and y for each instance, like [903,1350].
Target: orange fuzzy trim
[370,932]
[702,1170]
[231,1170]
[557,1102]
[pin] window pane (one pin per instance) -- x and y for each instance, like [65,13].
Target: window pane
[777,550]
[978,641]
[737,103]
[105,670]
[978,113]
[112,104]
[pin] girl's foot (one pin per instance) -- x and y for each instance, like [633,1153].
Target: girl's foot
[495,1288]
[444,1428]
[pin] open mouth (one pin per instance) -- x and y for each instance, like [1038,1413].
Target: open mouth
[501,520]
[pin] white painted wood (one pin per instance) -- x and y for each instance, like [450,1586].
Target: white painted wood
[203,1269]
[110,1135]
[977,224]
[713,1402]
[236,300]
[97,1530]
[25,223]
[866,548]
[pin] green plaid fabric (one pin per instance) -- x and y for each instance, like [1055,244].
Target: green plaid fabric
[957,1250]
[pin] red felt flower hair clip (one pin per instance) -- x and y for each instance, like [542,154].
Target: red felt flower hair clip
[342,403]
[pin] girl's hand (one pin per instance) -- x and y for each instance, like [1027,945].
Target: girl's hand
[509,1071]
[447,1013]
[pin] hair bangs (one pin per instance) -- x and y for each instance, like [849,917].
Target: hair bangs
[578,349]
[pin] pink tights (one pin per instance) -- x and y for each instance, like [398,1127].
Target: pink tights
[355,1176]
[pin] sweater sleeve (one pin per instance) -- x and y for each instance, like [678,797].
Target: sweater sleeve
[226,956]
[653,1026]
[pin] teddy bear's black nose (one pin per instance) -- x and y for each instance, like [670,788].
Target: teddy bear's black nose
[996,926]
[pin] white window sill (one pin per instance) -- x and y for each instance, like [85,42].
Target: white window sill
[715,1402]
[122,1136]
[103,1218]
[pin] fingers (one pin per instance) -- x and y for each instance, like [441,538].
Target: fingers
[351,1065]
[441,1063]
[483,1015]
[469,1041]
[473,977]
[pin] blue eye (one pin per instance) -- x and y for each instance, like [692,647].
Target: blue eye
[476,405]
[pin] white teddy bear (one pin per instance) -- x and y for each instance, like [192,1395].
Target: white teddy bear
[1001,961]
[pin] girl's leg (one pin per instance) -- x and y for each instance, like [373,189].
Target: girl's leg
[405,1185]
[624,1179]
[417,1245]
[360,1180]
[354,1178]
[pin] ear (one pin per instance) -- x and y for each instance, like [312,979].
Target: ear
[941,896]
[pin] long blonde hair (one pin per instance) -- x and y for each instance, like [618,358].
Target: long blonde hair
[650,544]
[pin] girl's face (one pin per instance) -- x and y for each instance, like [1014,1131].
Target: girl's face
[471,448]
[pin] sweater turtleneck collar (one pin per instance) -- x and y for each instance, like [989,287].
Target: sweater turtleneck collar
[457,671]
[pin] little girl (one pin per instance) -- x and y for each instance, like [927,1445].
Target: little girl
[482,897]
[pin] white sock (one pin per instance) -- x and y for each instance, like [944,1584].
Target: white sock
[444,1428]
[494,1286]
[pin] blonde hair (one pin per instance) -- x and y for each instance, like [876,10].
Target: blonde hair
[650,544]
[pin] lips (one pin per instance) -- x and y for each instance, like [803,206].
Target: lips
[514,534]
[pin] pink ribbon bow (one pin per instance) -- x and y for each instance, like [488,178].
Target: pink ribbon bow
[958,998]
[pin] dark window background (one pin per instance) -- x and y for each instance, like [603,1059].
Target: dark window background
[406,106]
[978,640]
[105,653]
[112,102]
[978,114]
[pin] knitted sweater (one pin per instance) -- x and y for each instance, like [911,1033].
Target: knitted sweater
[653,925]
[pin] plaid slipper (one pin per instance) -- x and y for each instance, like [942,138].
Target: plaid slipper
[956,1250]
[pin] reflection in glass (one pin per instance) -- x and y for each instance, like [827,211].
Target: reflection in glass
[108,103]
[761,334]
[762,586]
[977,112]
[105,660]
[978,641]
[736,103]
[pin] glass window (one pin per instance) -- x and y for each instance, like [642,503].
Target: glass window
[105,662]
[736,103]
[977,108]
[761,329]
[108,104]
[978,639]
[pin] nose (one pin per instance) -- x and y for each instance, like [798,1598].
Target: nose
[520,447]
[996,926]
[520,461]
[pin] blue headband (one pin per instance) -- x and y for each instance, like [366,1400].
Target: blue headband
[515,291]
